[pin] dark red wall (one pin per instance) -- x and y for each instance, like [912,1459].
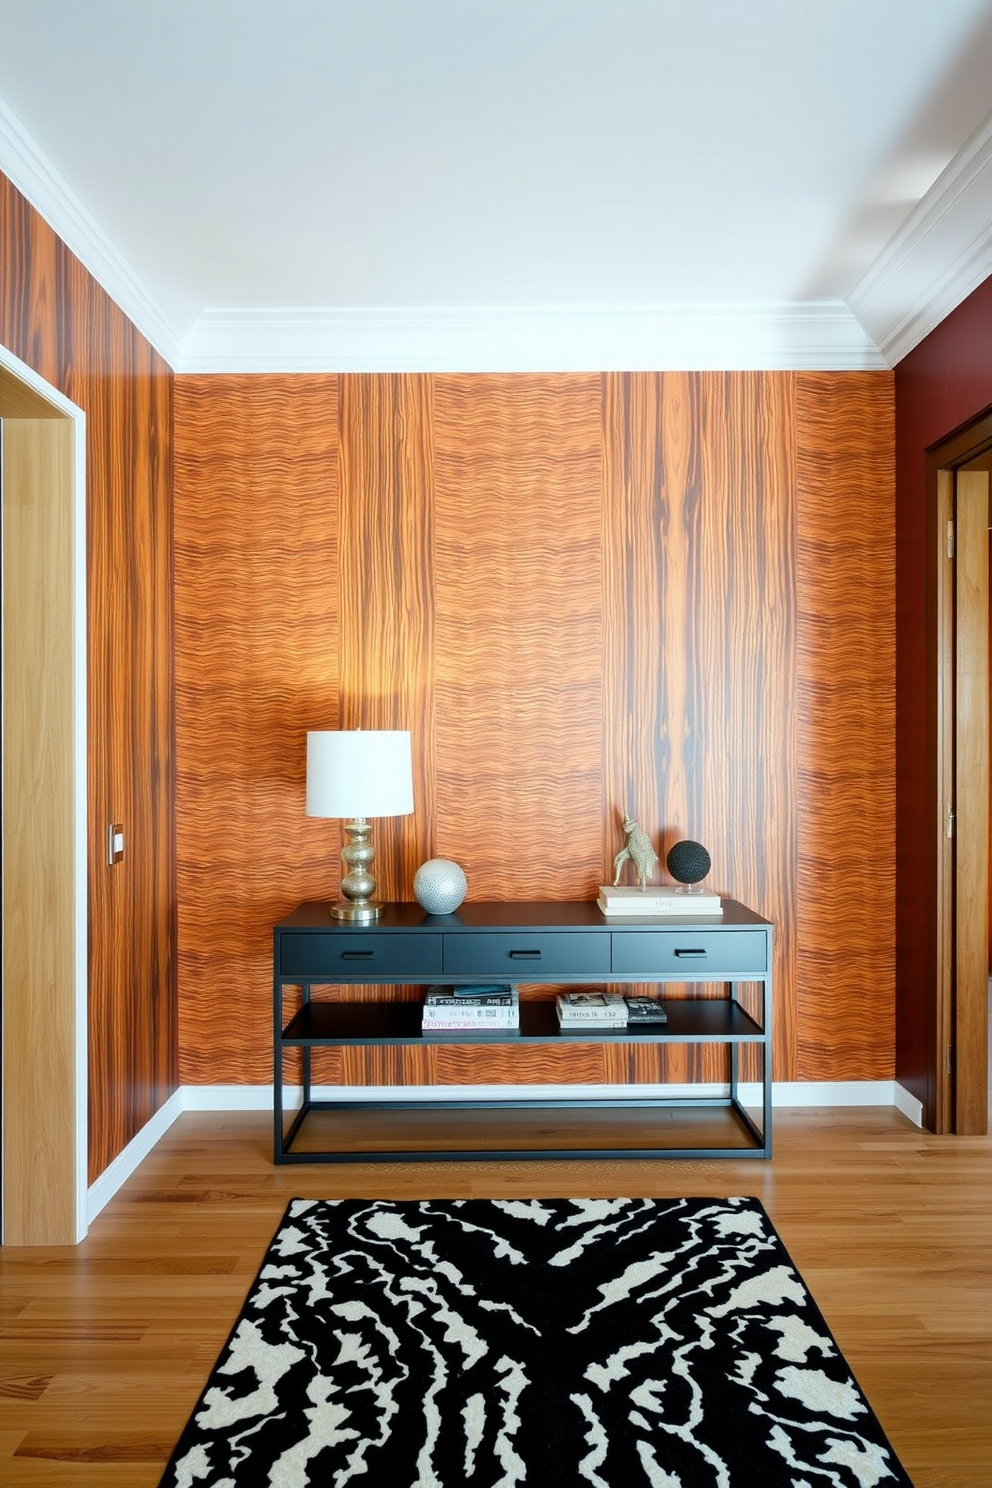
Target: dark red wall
[942,385]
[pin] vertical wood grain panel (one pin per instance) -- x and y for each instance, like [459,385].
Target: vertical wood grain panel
[699,668]
[132,1036]
[519,634]
[971,773]
[386,618]
[55,317]
[386,612]
[257,661]
[39,901]
[845,513]
[32,259]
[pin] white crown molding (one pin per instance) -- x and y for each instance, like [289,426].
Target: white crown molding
[822,335]
[27,166]
[941,253]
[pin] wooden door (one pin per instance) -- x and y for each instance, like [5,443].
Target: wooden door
[971,802]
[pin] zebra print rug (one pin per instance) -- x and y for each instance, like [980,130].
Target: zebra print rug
[554,1343]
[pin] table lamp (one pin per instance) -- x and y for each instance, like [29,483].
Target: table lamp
[355,774]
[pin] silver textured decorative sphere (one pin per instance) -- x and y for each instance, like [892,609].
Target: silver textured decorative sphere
[439,886]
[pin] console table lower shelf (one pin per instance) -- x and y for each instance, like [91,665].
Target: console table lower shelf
[566,944]
[515,1126]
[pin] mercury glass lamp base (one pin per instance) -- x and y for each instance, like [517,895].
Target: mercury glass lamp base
[345,910]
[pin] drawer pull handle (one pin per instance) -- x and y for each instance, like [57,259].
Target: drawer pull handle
[357,955]
[697,952]
[525,955]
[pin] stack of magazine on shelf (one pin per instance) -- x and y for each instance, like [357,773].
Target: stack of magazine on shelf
[656,901]
[471,1012]
[642,1011]
[581,1011]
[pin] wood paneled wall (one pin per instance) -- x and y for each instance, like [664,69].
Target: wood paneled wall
[55,317]
[519,694]
[257,631]
[581,593]
[846,796]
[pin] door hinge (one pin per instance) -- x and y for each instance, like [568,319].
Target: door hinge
[950,539]
[949,820]
[949,1060]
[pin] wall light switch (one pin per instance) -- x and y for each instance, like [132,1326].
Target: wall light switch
[115,842]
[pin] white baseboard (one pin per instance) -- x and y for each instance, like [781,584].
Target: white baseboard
[824,1094]
[908,1105]
[113,1177]
[227,1097]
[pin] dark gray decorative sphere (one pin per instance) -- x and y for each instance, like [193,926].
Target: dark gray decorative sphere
[688,862]
[439,886]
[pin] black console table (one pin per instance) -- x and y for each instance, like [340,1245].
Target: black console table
[563,944]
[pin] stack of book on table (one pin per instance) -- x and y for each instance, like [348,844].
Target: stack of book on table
[484,1011]
[579,1011]
[656,901]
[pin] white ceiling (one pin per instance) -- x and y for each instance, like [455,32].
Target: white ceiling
[472,184]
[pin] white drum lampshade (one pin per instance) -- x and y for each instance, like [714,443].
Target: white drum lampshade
[355,774]
[359,773]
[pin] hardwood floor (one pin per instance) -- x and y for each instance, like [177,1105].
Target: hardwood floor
[105,1346]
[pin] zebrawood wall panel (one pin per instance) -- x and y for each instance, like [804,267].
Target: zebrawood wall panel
[386,615]
[699,669]
[519,634]
[609,561]
[257,664]
[55,317]
[845,515]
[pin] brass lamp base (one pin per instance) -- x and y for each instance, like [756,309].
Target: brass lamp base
[358,902]
[344,910]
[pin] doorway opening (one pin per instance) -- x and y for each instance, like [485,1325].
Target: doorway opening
[43,1090]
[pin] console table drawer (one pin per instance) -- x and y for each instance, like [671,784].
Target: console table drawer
[524,956]
[359,956]
[697,953]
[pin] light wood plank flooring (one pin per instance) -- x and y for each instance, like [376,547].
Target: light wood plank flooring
[105,1346]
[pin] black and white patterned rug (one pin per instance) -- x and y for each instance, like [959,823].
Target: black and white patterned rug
[556,1343]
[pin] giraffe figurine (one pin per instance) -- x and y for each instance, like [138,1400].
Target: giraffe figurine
[638,850]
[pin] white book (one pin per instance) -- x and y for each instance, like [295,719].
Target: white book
[589,1022]
[655,901]
[485,1018]
[663,912]
[588,1018]
[592,1009]
[460,1025]
[627,893]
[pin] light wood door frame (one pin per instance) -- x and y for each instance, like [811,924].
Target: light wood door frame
[43,1101]
[958,1057]
[971,803]
[941,1082]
